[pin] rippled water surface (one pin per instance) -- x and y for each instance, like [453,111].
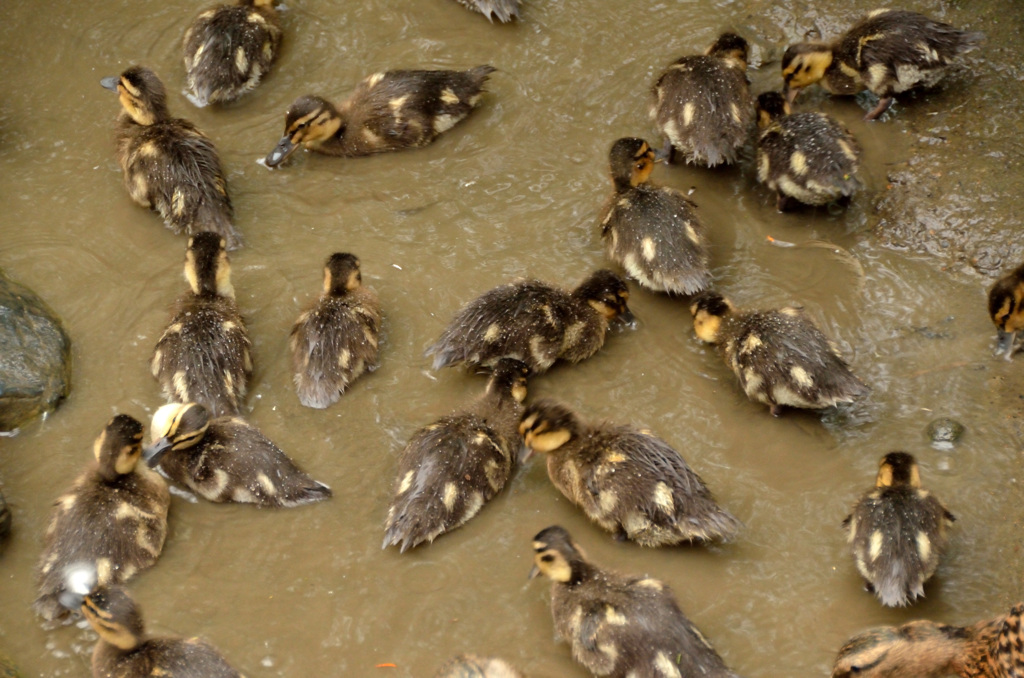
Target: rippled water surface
[515,190]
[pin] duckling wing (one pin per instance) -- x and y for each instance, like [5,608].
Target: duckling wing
[810,157]
[333,344]
[177,657]
[447,472]
[655,234]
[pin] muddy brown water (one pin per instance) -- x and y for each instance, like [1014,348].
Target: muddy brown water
[513,191]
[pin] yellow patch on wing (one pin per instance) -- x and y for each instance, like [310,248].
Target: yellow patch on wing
[665,666]
[180,385]
[847,150]
[241,61]
[798,163]
[691,233]
[449,97]
[735,110]
[492,333]
[444,122]
[688,111]
[406,482]
[875,548]
[344,358]
[663,498]
[372,80]
[801,377]
[451,494]
[750,344]
[649,249]
[266,483]
[614,617]
[924,546]
[396,104]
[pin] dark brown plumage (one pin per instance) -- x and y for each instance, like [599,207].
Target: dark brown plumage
[1006,308]
[620,626]
[226,459]
[114,518]
[534,322]
[229,48]
[451,468]
[388,111]
[630,482]
[653,232]
[897,532]
[204,354]
[336,340]
[169,165]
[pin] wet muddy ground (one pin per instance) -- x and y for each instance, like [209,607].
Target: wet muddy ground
[515,190]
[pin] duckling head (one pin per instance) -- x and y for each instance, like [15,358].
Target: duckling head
[632,161]
[119,447]
[918,648]
[804,64]
[607,293]
[556,556]
[731,47]
[509,377]
[142,95]
[546,425]
[1006,308]
[176,426]
[207,268]
[771,106]
[109,609]
[898,468]
[708,310]
[341,274]
[311,120]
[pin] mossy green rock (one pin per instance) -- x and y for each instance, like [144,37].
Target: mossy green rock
[8,669]
[35,356]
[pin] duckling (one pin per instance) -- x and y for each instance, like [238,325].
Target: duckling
[620,625]
[203,355]
[123,650]
[451,468]
[805,158]
[226,459]
[654,232]
[628,481]
[113,517]
[169,165]
[388,111]
[702,104]
[897,532]
[502,10]
[336,340]
[229,48]
[534,322]
[888,51]
[780,357]
[472,666]
[991,648]
[1006,308]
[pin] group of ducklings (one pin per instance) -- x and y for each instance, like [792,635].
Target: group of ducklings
[628,481]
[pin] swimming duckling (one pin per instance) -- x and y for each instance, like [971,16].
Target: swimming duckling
[388,111]
[451,468]
[897,532]
[534,322]
[888,51]
[169,165]
[226,459]
[203,355]
[1006,309]
[992,648]
[619,625]
[502,10]
[702,103]
[123,650]
[113,517]
[472,666]
[336,340]
[628,481]
[654,232]
[780,357]
[229,48]
[804,157]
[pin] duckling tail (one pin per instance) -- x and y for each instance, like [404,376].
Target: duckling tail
[307,494]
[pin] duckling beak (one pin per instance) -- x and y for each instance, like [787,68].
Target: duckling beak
[790,93]
[1005,345]
[110,83]
[627,318]
[71,600]
[153,453]
[534,571]
[661,155]
[284,148]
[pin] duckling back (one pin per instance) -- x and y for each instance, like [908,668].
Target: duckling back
[170,657]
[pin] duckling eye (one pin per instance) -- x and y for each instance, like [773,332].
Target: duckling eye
[547,558]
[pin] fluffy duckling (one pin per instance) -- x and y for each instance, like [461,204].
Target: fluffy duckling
[226,459]
[229,48]
[534,322]
[451,468]
[805,158]
[336,340]
[123,650]
[897,532]
[169,165]
[502,10]
[113,517]
[702,104]
[628,481]
[654,232]
[780,357]
[992,648]
[1006,308]
[388,111]
[888,51]
[203,355]
[472,666]
[619,625]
